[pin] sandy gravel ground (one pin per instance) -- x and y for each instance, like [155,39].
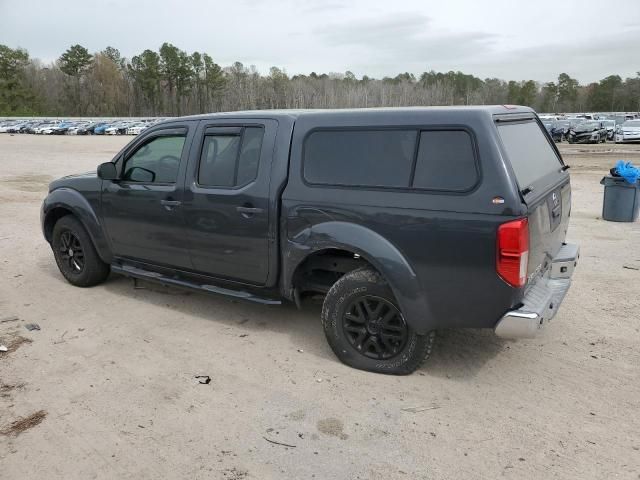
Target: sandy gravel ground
[106,388]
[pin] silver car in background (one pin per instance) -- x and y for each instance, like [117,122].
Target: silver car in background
[628,132]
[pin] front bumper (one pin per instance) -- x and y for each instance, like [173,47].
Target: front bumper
[543,299]
[582,138]
[627,138]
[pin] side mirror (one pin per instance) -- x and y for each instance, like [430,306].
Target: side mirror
[107,171]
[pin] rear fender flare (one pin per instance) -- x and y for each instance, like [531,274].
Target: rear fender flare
[376,250]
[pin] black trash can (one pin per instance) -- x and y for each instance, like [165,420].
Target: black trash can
[621,199]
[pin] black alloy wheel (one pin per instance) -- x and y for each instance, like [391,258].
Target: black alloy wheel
[71,252]
[366,329]
[75,254]
[375,327]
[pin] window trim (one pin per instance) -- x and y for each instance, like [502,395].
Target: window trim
[222,133]
[163,132]
[418,129]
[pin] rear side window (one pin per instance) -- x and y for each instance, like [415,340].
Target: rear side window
[368,158]
[230,160]
[446,161]
[530,153]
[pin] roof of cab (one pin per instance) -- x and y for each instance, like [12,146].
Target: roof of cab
[296,113]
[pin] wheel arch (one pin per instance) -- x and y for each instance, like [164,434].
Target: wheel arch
[65,201]
[369,248]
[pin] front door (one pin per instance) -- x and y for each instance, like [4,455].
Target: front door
[142,210]
[226,201]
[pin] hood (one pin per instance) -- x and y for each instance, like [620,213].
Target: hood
[580,129]
[78,181]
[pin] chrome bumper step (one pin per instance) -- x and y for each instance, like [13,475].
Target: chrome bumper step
[543,299]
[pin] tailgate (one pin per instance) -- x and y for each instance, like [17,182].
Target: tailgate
[544,185]
[548,223]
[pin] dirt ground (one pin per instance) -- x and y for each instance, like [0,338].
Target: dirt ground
[106,388]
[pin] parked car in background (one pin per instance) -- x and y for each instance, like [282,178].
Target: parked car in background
[31,128]
[16,127]
[26,127]
[73,130]
[4,128]
[610,125]
[628,132]
[119,128]
[112,129]
[565,125]
[62,128]
[588,132]
[554,130]
[45,128]
[137,128]
[101,128]
[90,129]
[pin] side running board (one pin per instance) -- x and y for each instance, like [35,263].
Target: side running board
[136,272]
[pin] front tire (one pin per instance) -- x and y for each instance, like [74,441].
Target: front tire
[366,329]
[75,254]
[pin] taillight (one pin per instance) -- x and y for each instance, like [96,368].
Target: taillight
[513,252]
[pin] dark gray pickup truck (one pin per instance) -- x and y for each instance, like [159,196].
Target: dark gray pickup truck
[408,220]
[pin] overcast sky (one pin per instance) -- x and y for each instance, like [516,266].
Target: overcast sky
[509,39]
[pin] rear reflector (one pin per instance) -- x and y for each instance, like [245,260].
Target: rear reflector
[512,255]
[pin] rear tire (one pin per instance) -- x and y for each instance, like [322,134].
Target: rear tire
[75,254]
[365,327]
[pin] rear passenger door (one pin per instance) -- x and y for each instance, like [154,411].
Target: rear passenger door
[226,202]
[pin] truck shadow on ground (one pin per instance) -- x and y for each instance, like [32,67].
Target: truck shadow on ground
[302,326]
[458,354]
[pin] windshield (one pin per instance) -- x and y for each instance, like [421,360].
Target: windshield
[530,153]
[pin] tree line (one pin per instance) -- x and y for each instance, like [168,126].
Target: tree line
[173,82]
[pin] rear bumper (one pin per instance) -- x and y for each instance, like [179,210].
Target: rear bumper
[543,299]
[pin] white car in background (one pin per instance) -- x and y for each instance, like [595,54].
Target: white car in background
[137,128]
[74,130]
[45,128]
[119,128]
[5,126]
[112,130]
[629,131]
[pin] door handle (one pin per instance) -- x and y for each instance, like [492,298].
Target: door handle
[170,204]
[248,211]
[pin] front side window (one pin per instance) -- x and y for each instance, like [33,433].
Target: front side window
[230,160]
[157,161]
